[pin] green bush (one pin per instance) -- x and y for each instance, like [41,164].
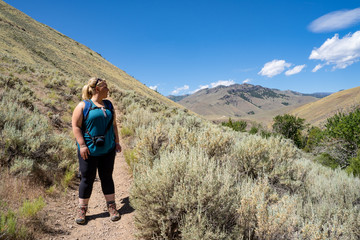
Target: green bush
[12,224]
[345,128]
[239,126]
[9,226]
[313,139]
[290,127]
[254,130]
[354,166]
[131,158]
[326,160]
[29,209]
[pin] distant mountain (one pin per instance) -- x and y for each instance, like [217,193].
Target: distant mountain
[318,95]
[177,98]
[317,112]
[243,101]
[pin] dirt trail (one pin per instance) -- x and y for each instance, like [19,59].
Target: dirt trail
[58,217]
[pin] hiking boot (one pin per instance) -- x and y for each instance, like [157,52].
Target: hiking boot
[80,218]
[114,214]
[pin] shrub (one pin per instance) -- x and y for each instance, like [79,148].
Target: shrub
[344,128]
[239,126]
[168,196]
[68,177]
[54,82]
[254,130]
[9,226]
[214,141]
[138,118]
[151,141]
[30,146]
[29,209]
[264,214]
[290,127]
[131,158]
[257,157]
[194,180]
[326,160]
[314,138]
[126,132]
[354,166]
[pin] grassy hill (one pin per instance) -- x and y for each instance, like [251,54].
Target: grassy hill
[36,44]
[317,112]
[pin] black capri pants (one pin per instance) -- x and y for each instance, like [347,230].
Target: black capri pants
[105,166]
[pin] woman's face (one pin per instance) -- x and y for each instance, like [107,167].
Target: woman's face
[103,89]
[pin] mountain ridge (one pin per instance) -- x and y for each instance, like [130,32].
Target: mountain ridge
[242,101]
[177,98]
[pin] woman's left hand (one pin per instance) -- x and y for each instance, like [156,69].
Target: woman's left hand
[118,148]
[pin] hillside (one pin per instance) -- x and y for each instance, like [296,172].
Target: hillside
[37,45]
[244,101]
[190,178]
[41,76]
[317,112]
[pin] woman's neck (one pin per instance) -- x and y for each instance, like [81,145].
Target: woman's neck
[97,98]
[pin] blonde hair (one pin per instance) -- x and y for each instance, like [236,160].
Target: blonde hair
[89,89]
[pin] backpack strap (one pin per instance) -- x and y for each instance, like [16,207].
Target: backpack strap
[86,110]
[108,105]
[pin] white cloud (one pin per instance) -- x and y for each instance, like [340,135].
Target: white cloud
[274,68]
[335,21]
[215,84]
[154,88]
[247,80]
[201,87]
[317,67]
[338,52]
[180,89]
[223,83]
[295,70]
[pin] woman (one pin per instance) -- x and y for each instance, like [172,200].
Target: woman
[97,140]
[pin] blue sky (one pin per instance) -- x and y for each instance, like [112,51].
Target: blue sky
[179,47]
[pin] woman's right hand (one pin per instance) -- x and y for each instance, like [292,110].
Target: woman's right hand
[84,152]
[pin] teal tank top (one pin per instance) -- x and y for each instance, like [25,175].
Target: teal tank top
[96,124]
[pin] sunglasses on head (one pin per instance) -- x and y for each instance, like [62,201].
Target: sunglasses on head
[97,81]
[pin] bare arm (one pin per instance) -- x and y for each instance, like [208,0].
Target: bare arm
[117,140]
[76,123]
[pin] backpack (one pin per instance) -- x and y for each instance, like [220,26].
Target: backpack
[88,108]
[97,140]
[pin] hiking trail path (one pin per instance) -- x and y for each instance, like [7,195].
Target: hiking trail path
[58,217]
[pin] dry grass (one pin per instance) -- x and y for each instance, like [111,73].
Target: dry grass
[343,101]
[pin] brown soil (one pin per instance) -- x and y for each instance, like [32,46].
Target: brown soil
[58,217]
